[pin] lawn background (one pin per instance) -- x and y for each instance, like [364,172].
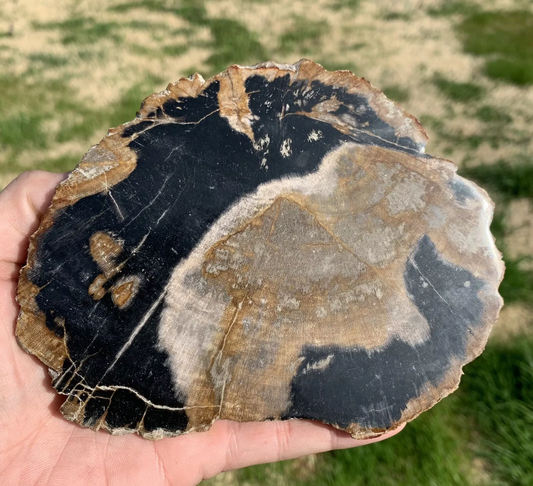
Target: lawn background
[72,69]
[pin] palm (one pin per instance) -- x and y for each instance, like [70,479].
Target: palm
[37,446]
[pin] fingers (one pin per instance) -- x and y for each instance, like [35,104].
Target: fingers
[245,444]
[22,204]
[231,445]
[255,443]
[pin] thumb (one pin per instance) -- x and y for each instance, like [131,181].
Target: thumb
[22,203]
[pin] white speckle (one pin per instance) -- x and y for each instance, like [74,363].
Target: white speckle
[288,303]
[424,284]
[467,283]
[286,149]
[321,312]
[262,143]
[319,365]
[264,163]
[314,136]
[308,94]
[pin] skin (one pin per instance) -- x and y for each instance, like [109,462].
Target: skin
[39,447]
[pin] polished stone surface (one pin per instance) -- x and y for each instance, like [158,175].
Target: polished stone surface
[272,243]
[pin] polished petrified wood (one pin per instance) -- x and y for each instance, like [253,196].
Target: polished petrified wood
[272,243]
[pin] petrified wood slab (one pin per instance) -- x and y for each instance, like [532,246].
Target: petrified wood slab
[272,243]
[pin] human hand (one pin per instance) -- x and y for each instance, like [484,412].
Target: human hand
[39,447]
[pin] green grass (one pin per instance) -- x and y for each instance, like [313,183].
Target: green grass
[130,102]
[357,45]
[340,4]
[233,43]
[20,94]
[505,39]
[47,60]
[494,134]
[510,180]
[518,71]
[431,450]
[23,130]
[145,25]
[64,163]
[191,10]
[496,131]
[26,105]
[90,54]
[455,138]
[517,285]
[86,31]
[396,93]
[151,5]
[175,49]
[453,8]
[396,16]
[114,115]
[143,50]
[497,391]
[83,30]
[305,36]
[460,92]
[490,114]
[507,181]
